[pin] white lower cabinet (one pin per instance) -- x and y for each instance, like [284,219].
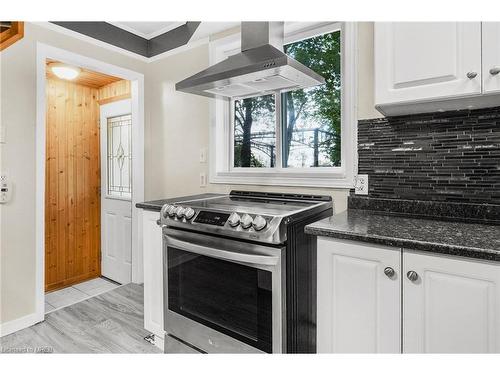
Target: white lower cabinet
[153,275]
[359,308]
[452,307]
[449,304]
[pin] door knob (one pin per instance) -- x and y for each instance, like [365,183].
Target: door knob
[389,272]
[412,276]
[495,70]
[471,75]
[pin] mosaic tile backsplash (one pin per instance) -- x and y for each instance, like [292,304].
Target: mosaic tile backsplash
[448,157]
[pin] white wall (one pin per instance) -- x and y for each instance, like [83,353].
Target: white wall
[18,116]
[366,91]
[178,126]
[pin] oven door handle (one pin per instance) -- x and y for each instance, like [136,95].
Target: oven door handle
[254,259]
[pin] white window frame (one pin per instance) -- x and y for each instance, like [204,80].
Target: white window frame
[222,170]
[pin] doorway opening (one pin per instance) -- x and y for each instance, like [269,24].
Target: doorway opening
[88,184]
[46,52]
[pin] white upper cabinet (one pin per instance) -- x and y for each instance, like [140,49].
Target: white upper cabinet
[491,57]
[358,304]
[422,60]
[452,306]
[435,66]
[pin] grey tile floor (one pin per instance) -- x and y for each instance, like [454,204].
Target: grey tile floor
[112,322]
[77,293]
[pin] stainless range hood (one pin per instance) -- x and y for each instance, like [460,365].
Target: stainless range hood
[260,67]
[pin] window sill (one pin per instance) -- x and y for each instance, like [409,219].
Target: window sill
[272,178]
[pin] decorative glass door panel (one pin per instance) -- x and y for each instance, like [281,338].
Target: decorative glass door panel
[119,176]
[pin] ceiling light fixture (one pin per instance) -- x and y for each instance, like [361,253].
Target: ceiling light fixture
[64,71]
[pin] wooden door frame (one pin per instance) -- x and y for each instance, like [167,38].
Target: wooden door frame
[44,52]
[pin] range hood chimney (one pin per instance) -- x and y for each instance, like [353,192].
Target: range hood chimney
[261,67]
[258,34]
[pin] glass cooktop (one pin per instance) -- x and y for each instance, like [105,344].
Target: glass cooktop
[261,206]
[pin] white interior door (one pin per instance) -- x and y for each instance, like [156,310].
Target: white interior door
[116,191]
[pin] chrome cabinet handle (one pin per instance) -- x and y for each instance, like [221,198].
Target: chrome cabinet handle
[412,276]
[471,75]
[495,70]
[389,272]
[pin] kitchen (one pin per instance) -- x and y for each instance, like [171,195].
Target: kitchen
[296,187]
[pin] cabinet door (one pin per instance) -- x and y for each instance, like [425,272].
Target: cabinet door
[452,307]
[418,61]
[358,305]
[153,273]
[491,57]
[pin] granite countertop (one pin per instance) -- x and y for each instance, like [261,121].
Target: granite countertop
[446,237]
[158,204]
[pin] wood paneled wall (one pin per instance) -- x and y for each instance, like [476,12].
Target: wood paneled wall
[72,195]
[114,91]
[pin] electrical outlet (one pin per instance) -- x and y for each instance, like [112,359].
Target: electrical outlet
[203,179]
[361,184]
[203,155]
[5,188]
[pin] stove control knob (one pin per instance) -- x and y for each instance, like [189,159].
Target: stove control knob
[164,210]
[246,221]
[189,213]
[179,212]
[171,210]
[234,220]
[259,223]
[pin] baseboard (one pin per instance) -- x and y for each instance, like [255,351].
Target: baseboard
[159,342]
[12,326]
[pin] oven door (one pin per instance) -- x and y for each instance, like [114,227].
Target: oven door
[222,295]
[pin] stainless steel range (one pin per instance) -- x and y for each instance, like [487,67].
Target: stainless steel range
[240,273]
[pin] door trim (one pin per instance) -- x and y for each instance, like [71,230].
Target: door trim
[43,52]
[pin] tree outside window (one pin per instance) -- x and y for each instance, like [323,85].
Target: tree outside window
[310,121]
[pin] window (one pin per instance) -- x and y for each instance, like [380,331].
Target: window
[302,137]
[310,119]
[120,156]
[255,132]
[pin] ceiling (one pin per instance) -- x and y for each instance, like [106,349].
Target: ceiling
[148,30]
[86,77]
[147,39]
[209,28]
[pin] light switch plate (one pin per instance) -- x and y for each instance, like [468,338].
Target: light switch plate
[203,155]
[361,184]
[203,179]
[2,134]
